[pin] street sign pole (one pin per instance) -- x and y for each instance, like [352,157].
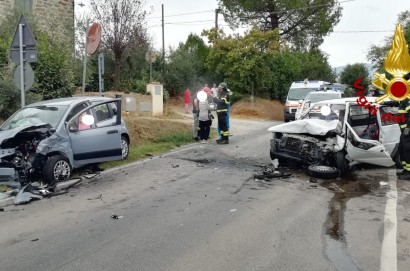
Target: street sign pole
[22,66]
[101,71]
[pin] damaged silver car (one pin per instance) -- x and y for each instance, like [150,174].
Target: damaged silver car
[50,138]
[336,134]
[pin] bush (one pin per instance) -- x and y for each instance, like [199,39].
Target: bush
[236,97]
[9,99]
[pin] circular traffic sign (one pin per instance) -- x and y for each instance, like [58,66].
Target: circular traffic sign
[28,76]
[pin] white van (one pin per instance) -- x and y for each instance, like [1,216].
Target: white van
[297,93]
[314,97]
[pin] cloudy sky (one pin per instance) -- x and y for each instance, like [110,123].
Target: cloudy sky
[346,45]
[363,22]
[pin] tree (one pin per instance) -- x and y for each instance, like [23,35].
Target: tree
[314,65]
[377,53]
[352,72]
[123,28]
[301,23]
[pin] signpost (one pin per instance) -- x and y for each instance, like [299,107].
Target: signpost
[101,72]
[23,49]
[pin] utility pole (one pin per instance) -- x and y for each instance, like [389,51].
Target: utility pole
[163,38]
[216,18]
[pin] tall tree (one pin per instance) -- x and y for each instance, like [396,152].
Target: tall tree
[377,53]
[352,72]
[301,23]
[123,28]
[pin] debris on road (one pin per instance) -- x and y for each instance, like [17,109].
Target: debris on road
[175,166]
[34,240]
[95,198]
[313,180]
[233,210]
[383,183]
[269,172]
[117,216]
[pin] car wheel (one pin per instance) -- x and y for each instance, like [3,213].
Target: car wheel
[323,172]
[125,147]
[57,168]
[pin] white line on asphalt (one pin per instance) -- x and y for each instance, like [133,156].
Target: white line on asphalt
[389,247]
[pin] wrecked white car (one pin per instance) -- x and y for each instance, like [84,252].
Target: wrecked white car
[339,134]
[50,138]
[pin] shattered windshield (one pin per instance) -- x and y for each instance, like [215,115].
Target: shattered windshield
[337,111]
[36,115]
[296,94]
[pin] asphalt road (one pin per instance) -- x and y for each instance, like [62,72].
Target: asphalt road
[199,208]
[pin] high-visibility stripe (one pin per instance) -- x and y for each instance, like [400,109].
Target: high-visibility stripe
[222,110]
[401,111]
[226,102]
[408,108]
[403,126]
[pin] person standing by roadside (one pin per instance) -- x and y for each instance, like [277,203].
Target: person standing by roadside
[214,90]
[204,117]
[195,115]
[222,104]
[187,100]
[207,89]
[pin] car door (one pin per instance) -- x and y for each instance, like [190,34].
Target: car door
[366,150]
[94,143]
[390,130]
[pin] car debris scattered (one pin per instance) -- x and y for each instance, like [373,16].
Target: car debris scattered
[270,172]
[116,216]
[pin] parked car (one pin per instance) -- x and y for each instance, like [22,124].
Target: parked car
[338,134]
[314,97]
[50,138]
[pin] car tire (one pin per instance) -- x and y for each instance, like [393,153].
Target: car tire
[323,172]
[125,147]
[57,168]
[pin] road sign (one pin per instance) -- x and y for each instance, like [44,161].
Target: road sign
[28,41]
[28,77]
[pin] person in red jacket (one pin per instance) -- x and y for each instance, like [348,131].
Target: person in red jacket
[187,100]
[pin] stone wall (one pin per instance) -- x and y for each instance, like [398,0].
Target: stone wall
[54,16]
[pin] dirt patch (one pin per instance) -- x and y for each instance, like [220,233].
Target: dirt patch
[258,109]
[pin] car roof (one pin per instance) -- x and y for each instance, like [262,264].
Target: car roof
[69,100]
[324,92]
[347,100]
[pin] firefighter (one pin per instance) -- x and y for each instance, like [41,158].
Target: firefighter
[404,144]
[222,104]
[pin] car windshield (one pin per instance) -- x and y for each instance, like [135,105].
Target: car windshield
[36,115]
[316,97]
[296,94]
[337,111]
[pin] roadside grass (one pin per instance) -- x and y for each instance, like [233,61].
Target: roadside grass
[150,136]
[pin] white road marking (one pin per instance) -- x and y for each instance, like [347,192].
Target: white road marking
[389,247]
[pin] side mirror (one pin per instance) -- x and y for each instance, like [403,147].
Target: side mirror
[307,105]
[72,127]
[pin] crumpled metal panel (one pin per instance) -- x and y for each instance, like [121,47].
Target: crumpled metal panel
[308,126]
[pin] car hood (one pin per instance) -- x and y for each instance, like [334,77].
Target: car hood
[308,126]
[6,134]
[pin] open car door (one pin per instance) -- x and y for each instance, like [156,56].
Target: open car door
[94,143]
[366,150]
[390,130]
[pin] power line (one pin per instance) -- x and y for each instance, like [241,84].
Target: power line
[183,14]
[190,22]
[363,31]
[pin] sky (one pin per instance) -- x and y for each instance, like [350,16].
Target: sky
[347,45]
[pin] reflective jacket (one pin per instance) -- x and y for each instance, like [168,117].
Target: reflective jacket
[404,108]
[222,102]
